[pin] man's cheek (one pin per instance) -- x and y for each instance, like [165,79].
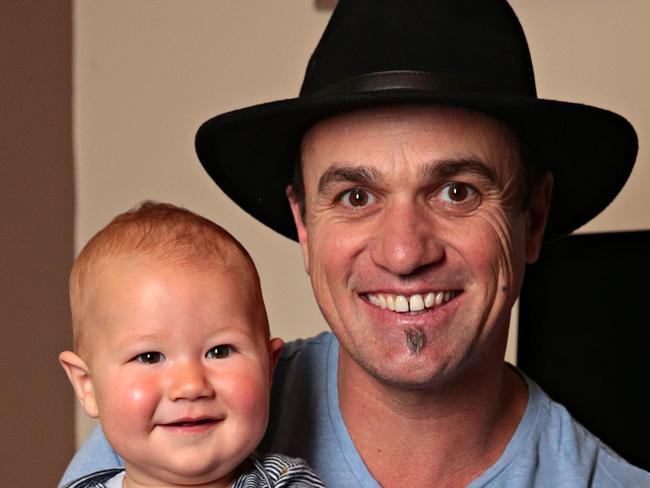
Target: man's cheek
[500,233]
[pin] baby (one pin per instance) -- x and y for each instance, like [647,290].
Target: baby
[172,354]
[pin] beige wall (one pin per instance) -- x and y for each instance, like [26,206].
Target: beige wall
[147,73]
[36,240]
[596,52]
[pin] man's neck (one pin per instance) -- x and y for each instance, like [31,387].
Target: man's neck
[440,436]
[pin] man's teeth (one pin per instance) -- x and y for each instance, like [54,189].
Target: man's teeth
[416,303]
[401,304]
[413,303]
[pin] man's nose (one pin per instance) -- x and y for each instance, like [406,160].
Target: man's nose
[188,381]
[406,240]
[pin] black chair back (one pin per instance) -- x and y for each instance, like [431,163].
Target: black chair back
[583,334]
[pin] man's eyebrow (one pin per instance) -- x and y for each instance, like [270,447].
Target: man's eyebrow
[350,174]
[449,168]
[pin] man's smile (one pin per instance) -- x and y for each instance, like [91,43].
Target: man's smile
[411,303]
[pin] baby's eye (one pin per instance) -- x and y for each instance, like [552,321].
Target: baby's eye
[357,197]
[457,192]
[219,352]
[151,357]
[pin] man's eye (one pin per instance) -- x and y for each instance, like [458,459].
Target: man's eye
[150,357]
[357,197]
[219,352]
[457,192]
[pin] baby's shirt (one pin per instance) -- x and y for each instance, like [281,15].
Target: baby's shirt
[268,471]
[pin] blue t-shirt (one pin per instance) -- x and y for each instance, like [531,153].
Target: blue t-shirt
[548,448]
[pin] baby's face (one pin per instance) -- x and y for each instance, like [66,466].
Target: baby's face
[181,368]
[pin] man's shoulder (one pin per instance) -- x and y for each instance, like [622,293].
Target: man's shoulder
[304,417]
[95,455]
[577,449]
[304,348]
[301,359]
[302,367]
[551,448]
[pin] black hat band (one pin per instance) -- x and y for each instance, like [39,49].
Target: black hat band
[402,80]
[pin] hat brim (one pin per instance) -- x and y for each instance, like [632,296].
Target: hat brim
[250,152]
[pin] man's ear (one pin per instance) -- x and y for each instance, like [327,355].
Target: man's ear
[540,204]
[296,210]
[79,375]
[275,348]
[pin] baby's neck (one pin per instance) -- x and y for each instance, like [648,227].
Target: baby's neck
[138,482]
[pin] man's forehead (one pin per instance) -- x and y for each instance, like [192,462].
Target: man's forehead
[462,133]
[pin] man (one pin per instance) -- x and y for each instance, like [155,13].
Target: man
[422,173]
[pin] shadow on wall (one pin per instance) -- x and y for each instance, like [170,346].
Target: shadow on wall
[326,4]
[37,205]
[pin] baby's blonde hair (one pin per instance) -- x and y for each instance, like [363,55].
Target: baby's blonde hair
[166,234]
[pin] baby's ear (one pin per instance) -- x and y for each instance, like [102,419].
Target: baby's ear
[79,375]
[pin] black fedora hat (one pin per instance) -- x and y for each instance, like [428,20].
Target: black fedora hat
[466,53]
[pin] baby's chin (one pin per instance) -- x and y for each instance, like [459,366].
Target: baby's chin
[177,474]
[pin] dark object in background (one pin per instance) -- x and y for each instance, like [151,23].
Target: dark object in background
[583,322]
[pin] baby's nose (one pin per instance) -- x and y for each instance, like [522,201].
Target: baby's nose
[188,381]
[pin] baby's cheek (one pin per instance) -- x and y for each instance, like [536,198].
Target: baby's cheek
[137,399]
[249,396]
[128,414]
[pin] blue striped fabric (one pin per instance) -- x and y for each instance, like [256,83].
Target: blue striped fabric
[277,471]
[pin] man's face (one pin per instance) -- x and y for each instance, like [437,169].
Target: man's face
[414,237]
[180,368]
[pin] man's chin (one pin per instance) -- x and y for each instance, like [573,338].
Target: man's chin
[416,367]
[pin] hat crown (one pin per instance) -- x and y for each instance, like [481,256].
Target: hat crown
[478,43]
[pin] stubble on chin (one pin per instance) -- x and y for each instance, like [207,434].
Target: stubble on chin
[415,340]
